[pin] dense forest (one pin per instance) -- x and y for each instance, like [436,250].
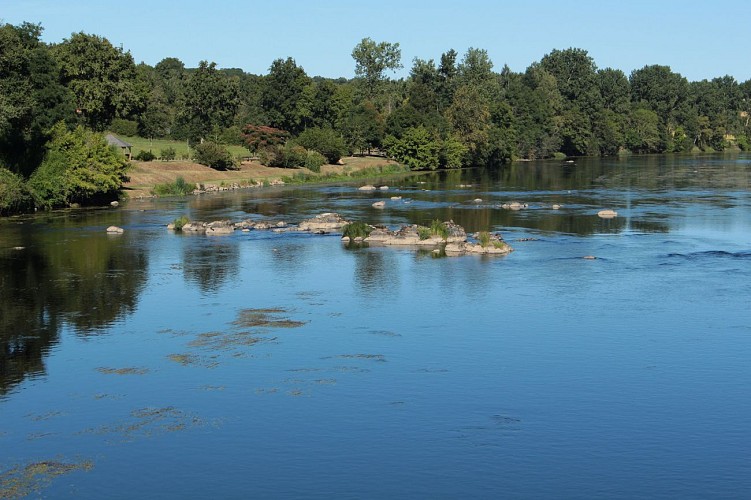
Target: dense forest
[56,100]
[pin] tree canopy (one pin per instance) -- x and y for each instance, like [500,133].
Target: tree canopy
[454,110]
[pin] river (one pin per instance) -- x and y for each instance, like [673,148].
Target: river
[285,365]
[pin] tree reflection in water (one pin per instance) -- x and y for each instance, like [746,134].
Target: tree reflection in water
[86,282]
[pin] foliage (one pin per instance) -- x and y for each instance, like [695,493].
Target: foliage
[259,137]
[210,102]
[214,155]
[32,99]
[167,154]
[145,156]
[371,62]
[79,167]
[14,196]
[283,93]
[356,229]
[121,126]
[177,188]
[102,78]
[436,228]
[314,161]
[483,238]
[287,156]
[324,140]
[417,149]
[180,222]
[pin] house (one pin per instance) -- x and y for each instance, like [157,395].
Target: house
[124,146]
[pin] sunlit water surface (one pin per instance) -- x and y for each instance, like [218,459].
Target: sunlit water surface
[289,366]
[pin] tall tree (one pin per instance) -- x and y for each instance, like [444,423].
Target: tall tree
[102,78]
[282,92]
[372,60]
[31,97]
[210,103]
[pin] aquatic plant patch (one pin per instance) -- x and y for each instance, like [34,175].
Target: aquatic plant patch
[24,481]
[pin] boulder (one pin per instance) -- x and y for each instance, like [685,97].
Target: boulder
[114,203]
[194,227]
[115,230]
[220,227]
[379,204]
[367,187]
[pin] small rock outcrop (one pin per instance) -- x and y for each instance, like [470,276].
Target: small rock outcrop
[324,223]
[220,227]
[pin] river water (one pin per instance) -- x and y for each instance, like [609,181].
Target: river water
[283,365]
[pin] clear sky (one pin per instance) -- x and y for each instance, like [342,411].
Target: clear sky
[697,38]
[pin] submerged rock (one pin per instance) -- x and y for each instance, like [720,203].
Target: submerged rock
[379,204]
[514,205]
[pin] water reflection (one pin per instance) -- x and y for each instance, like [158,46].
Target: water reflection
[49,278]
[210,262]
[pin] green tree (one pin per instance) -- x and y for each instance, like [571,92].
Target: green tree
[643,134]
[324,140]
[31,97]
[211,100]
[418,149]
[372,60]
[365,127]
[469,116]
[283,90]
[102,78]
[79,167]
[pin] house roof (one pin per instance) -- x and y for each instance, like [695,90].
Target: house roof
[111,139]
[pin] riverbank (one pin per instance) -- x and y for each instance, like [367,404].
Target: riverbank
[145,175]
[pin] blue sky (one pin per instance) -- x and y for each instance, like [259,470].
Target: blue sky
[699,39]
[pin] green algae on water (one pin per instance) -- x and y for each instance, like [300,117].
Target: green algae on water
[23,481]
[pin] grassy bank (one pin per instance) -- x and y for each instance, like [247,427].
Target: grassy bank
[182,150]
[145,176]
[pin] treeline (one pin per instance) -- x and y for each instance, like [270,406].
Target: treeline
[454,112]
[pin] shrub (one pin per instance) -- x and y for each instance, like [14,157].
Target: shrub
[180,222]
[214,155]
[438,228]
[324,140]
[144,155]
[483,238]
[287,156]
[260,137]
[424,232]
[177,188]
[314,161]
[79,167]
[121,126]
[356,230]
[168,154]
[14,195]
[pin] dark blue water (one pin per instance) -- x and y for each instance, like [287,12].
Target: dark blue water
[382,372]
